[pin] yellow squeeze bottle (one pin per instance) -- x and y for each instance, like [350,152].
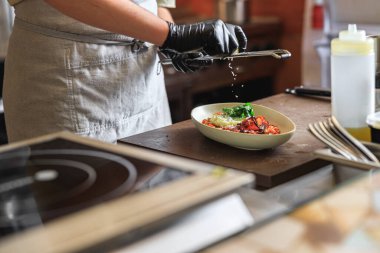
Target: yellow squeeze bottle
[353,80]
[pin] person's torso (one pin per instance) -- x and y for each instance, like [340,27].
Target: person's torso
[103,91]
[38,12]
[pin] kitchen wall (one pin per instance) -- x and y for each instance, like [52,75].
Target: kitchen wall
[311,63]
[203,7]
[292,15]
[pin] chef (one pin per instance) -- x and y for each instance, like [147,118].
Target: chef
[91,66]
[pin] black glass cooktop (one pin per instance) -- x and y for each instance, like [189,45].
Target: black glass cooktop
[44,181]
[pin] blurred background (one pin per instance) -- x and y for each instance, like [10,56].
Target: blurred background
[6,23]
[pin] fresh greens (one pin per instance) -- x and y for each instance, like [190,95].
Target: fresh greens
[240,111]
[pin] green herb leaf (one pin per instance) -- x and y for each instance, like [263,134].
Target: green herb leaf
[240,111]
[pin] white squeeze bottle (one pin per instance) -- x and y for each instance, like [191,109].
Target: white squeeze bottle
[353,80]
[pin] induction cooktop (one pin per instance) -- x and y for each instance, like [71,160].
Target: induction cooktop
[44,181]
[66,193]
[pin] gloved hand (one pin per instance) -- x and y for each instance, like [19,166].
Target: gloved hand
[184,62]
[213,37]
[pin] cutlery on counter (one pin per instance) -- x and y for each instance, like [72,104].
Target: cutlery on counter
[350,150]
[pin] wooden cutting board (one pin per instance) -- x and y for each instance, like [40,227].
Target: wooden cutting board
[271,167]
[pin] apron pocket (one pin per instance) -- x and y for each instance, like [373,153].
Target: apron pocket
[104,85]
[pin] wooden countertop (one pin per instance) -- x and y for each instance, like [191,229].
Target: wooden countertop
[271,167]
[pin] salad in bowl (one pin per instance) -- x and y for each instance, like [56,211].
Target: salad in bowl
[243,125]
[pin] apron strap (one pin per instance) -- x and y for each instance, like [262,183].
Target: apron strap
[136,44]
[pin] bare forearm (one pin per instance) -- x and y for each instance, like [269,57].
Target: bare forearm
[118,16]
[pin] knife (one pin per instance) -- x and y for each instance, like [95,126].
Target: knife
[309,91]
[276,53]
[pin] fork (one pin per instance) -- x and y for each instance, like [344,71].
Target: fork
[338,139]
[319,131]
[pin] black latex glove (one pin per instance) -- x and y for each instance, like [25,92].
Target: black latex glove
[186,62]
[213,37]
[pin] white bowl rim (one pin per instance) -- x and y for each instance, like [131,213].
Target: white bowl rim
[253,104]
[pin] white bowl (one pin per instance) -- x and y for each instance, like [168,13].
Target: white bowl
[244,140]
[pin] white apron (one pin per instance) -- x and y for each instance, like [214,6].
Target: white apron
[61,74]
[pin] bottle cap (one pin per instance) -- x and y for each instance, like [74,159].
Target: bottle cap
[352,34]
[352,42]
